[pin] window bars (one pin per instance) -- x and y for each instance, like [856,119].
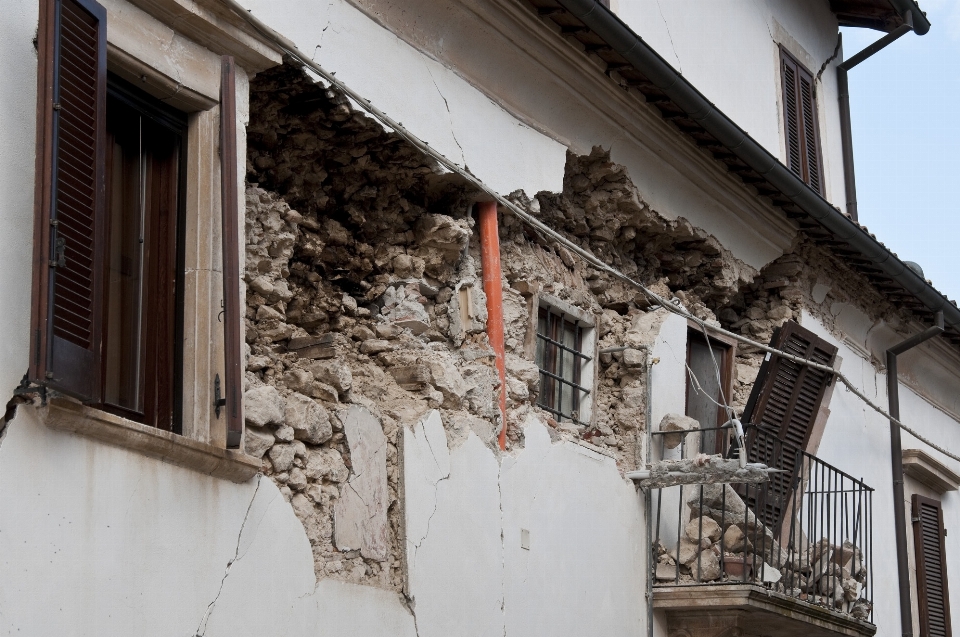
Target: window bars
[561,361]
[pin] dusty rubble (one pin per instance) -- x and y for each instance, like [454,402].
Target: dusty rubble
[365,306]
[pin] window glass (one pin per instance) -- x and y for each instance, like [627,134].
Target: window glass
[140,301]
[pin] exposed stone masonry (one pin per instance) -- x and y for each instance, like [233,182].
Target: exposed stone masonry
[365,309]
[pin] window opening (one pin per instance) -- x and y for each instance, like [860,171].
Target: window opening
[142,317]
[704,403]
[560,359]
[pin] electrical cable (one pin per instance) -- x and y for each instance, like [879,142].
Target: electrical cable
[291,50]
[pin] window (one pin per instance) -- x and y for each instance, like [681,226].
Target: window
[109,252]
[707,386]
[930,547]
[142,286]
[565,371]
[801,130]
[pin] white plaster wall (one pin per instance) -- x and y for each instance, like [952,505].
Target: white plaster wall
[18,104]
[856,440]
[426,97]
[96,540]
[469,575]
[728,50]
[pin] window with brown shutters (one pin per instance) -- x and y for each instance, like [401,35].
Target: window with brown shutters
[929,545]
[107,252]
[801,130]
[785,401]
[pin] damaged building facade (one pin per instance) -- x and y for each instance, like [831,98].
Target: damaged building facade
[432,318]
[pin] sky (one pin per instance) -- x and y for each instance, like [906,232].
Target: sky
[905,112]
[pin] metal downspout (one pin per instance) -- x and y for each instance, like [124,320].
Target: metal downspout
[843,96]
[493,289]
[896,461]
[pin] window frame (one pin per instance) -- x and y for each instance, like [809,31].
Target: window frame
[192,78]
[582,383]
[727,366]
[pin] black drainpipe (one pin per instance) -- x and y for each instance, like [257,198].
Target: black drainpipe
[846,135]
[896,460]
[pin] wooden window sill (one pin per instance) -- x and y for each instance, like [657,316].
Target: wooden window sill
[65,414]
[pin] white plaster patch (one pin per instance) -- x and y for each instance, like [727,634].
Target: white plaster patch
[454,549]
[360,514]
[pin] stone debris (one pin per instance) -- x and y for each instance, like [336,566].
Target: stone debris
[676,422]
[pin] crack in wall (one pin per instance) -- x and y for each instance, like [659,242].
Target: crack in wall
[672,46]
[202,627]
[463,157]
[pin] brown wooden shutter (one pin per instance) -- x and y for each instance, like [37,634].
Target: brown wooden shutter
[232,315]
[785,401]
[800,122]
[70,197]
[932,591]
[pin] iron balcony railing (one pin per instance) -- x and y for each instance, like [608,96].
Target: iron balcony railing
[807,533]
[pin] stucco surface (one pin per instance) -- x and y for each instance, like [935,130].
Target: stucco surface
[96,540]
[469,571]
[547,106]
[18,76]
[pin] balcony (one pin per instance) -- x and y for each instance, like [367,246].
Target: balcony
[791,556]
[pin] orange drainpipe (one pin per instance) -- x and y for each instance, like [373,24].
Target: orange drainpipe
[490,262]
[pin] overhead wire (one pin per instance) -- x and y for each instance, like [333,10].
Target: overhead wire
[290,49]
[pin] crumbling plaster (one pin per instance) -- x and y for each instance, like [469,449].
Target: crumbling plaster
[428,98]
[524,68]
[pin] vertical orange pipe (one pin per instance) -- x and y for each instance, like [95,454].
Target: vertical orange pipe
[490,262]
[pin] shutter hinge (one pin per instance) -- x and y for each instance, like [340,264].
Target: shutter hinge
[60,259]
[56,106]
[914,519]
[218,400]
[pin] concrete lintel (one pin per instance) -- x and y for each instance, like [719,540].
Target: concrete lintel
[921,466]
[753,610]
[65,414]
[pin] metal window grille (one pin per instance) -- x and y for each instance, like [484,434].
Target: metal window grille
[561,361]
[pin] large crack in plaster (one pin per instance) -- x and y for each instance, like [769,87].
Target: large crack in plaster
[436,485]
[463,157]
[202,627]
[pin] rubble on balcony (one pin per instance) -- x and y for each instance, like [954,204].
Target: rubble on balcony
[718,538]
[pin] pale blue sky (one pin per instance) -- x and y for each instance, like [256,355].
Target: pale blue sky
[905,108]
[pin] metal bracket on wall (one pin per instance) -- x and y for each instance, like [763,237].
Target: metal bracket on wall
[218,400]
